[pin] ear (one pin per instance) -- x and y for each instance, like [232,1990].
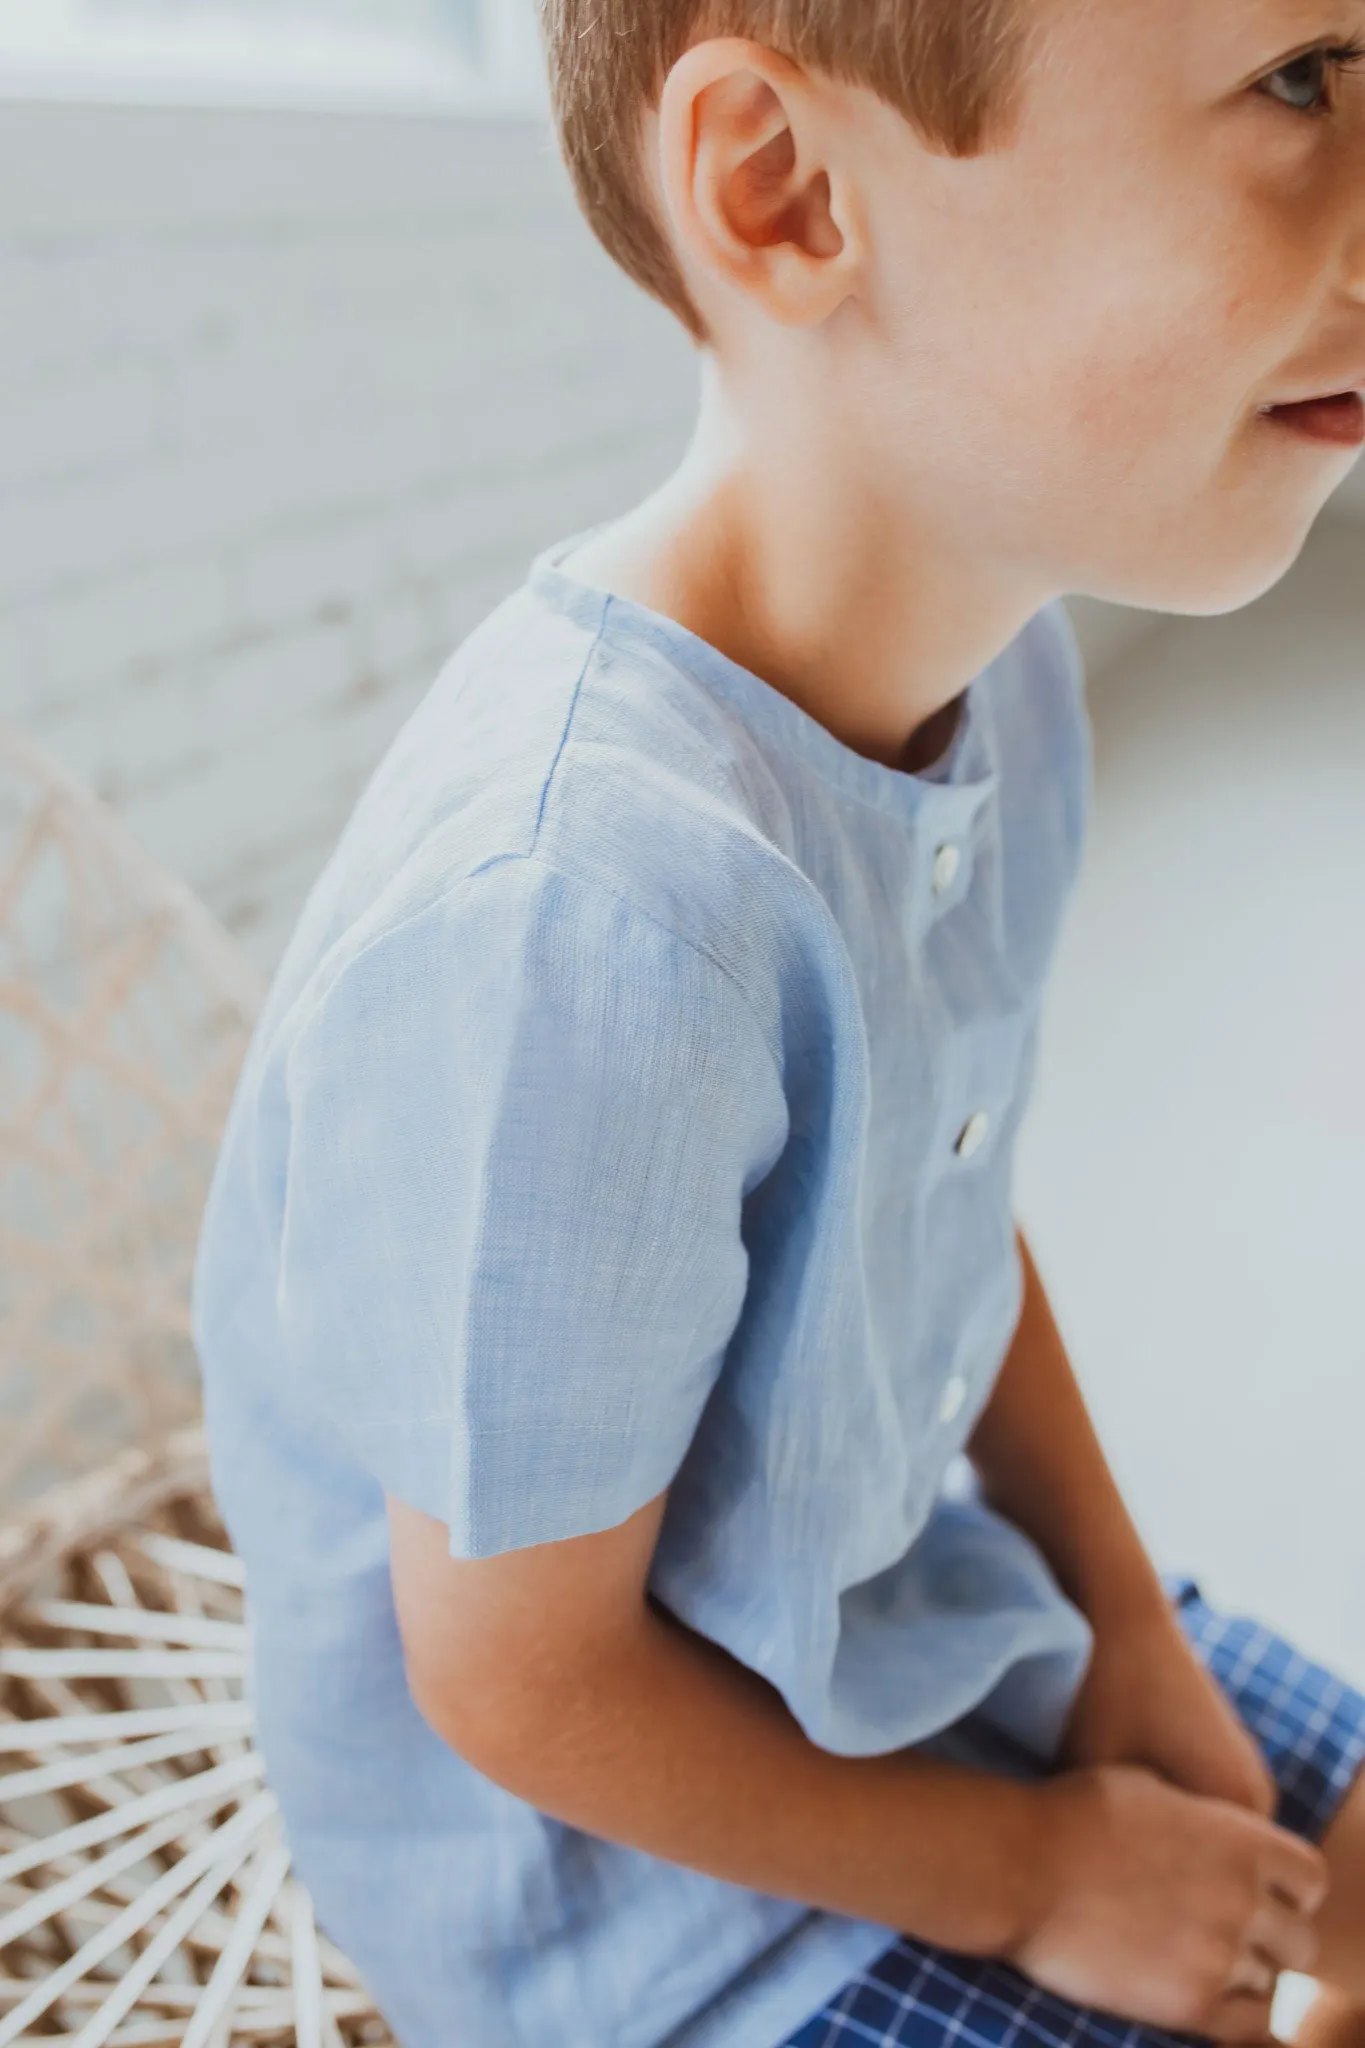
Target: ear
[750,179]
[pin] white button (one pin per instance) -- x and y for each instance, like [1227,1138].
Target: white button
[972,1136]
[953,1395]
[946,863]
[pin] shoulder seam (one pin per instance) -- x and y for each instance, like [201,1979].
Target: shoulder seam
[588,654]
[314,995]
[619,895]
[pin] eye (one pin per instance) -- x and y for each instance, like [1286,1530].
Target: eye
[1305,79]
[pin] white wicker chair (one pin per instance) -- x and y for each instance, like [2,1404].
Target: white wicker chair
[124,1011]
[145,1893]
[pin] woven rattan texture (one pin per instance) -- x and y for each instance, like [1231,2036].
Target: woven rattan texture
[145,1892]
[145,1887]
[124,1014]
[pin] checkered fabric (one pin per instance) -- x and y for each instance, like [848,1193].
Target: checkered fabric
[1310,1726]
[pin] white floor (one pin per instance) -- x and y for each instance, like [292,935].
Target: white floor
[1193,1173]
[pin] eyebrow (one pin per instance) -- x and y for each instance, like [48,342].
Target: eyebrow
[1303,22]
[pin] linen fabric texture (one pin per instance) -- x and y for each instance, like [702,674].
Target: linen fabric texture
[602,1133]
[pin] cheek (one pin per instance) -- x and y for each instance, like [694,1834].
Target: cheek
[1149,365]
[1187,311]
[1085,349]
[1071,336]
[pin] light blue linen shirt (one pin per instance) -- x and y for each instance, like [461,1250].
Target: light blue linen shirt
[634,1108]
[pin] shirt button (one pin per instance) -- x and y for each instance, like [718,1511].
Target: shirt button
[972,1135]
[946,863]
[953,1395]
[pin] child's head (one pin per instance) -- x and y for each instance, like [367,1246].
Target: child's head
[1032,267]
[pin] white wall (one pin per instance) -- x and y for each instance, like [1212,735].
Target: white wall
[1193,1168]
[286,403]
[397,56]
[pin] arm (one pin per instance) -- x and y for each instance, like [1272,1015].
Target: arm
[1147,1697]
[1041,1466]
[550,1672]
[548,1669]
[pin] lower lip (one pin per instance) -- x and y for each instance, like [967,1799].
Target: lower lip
[1339,421]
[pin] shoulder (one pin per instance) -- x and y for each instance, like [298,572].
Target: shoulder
[663,795]
[524,979]
[556,787]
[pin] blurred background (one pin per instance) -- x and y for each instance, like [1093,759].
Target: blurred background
[304,351]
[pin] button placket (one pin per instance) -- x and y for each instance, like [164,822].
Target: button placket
[946,829]
[972,1136]
[951,1399]
[947,861]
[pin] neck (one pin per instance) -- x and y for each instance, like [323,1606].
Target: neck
[786,548]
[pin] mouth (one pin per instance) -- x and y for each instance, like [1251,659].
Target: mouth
[1338,418]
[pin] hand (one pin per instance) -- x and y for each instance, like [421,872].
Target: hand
[1147,1699]
[1164,1907]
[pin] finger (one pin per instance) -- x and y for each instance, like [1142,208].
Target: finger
[1296,1872]
[1239,2016]
[1254,1974]
[1262,1790]
[1290,1940]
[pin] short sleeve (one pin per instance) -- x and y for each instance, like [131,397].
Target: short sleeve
[521,1127]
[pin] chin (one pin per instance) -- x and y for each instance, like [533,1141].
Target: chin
[1231,591]
[1222,575]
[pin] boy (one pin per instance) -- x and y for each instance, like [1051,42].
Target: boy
[611,1253]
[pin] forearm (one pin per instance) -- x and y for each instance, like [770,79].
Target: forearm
[1041,1465]
[664,1743]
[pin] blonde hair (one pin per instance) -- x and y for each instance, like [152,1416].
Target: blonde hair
[949,66]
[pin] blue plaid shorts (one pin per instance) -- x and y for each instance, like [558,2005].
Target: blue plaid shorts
[1311,1727]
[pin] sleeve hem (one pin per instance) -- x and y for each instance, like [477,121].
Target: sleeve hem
[415,1466]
